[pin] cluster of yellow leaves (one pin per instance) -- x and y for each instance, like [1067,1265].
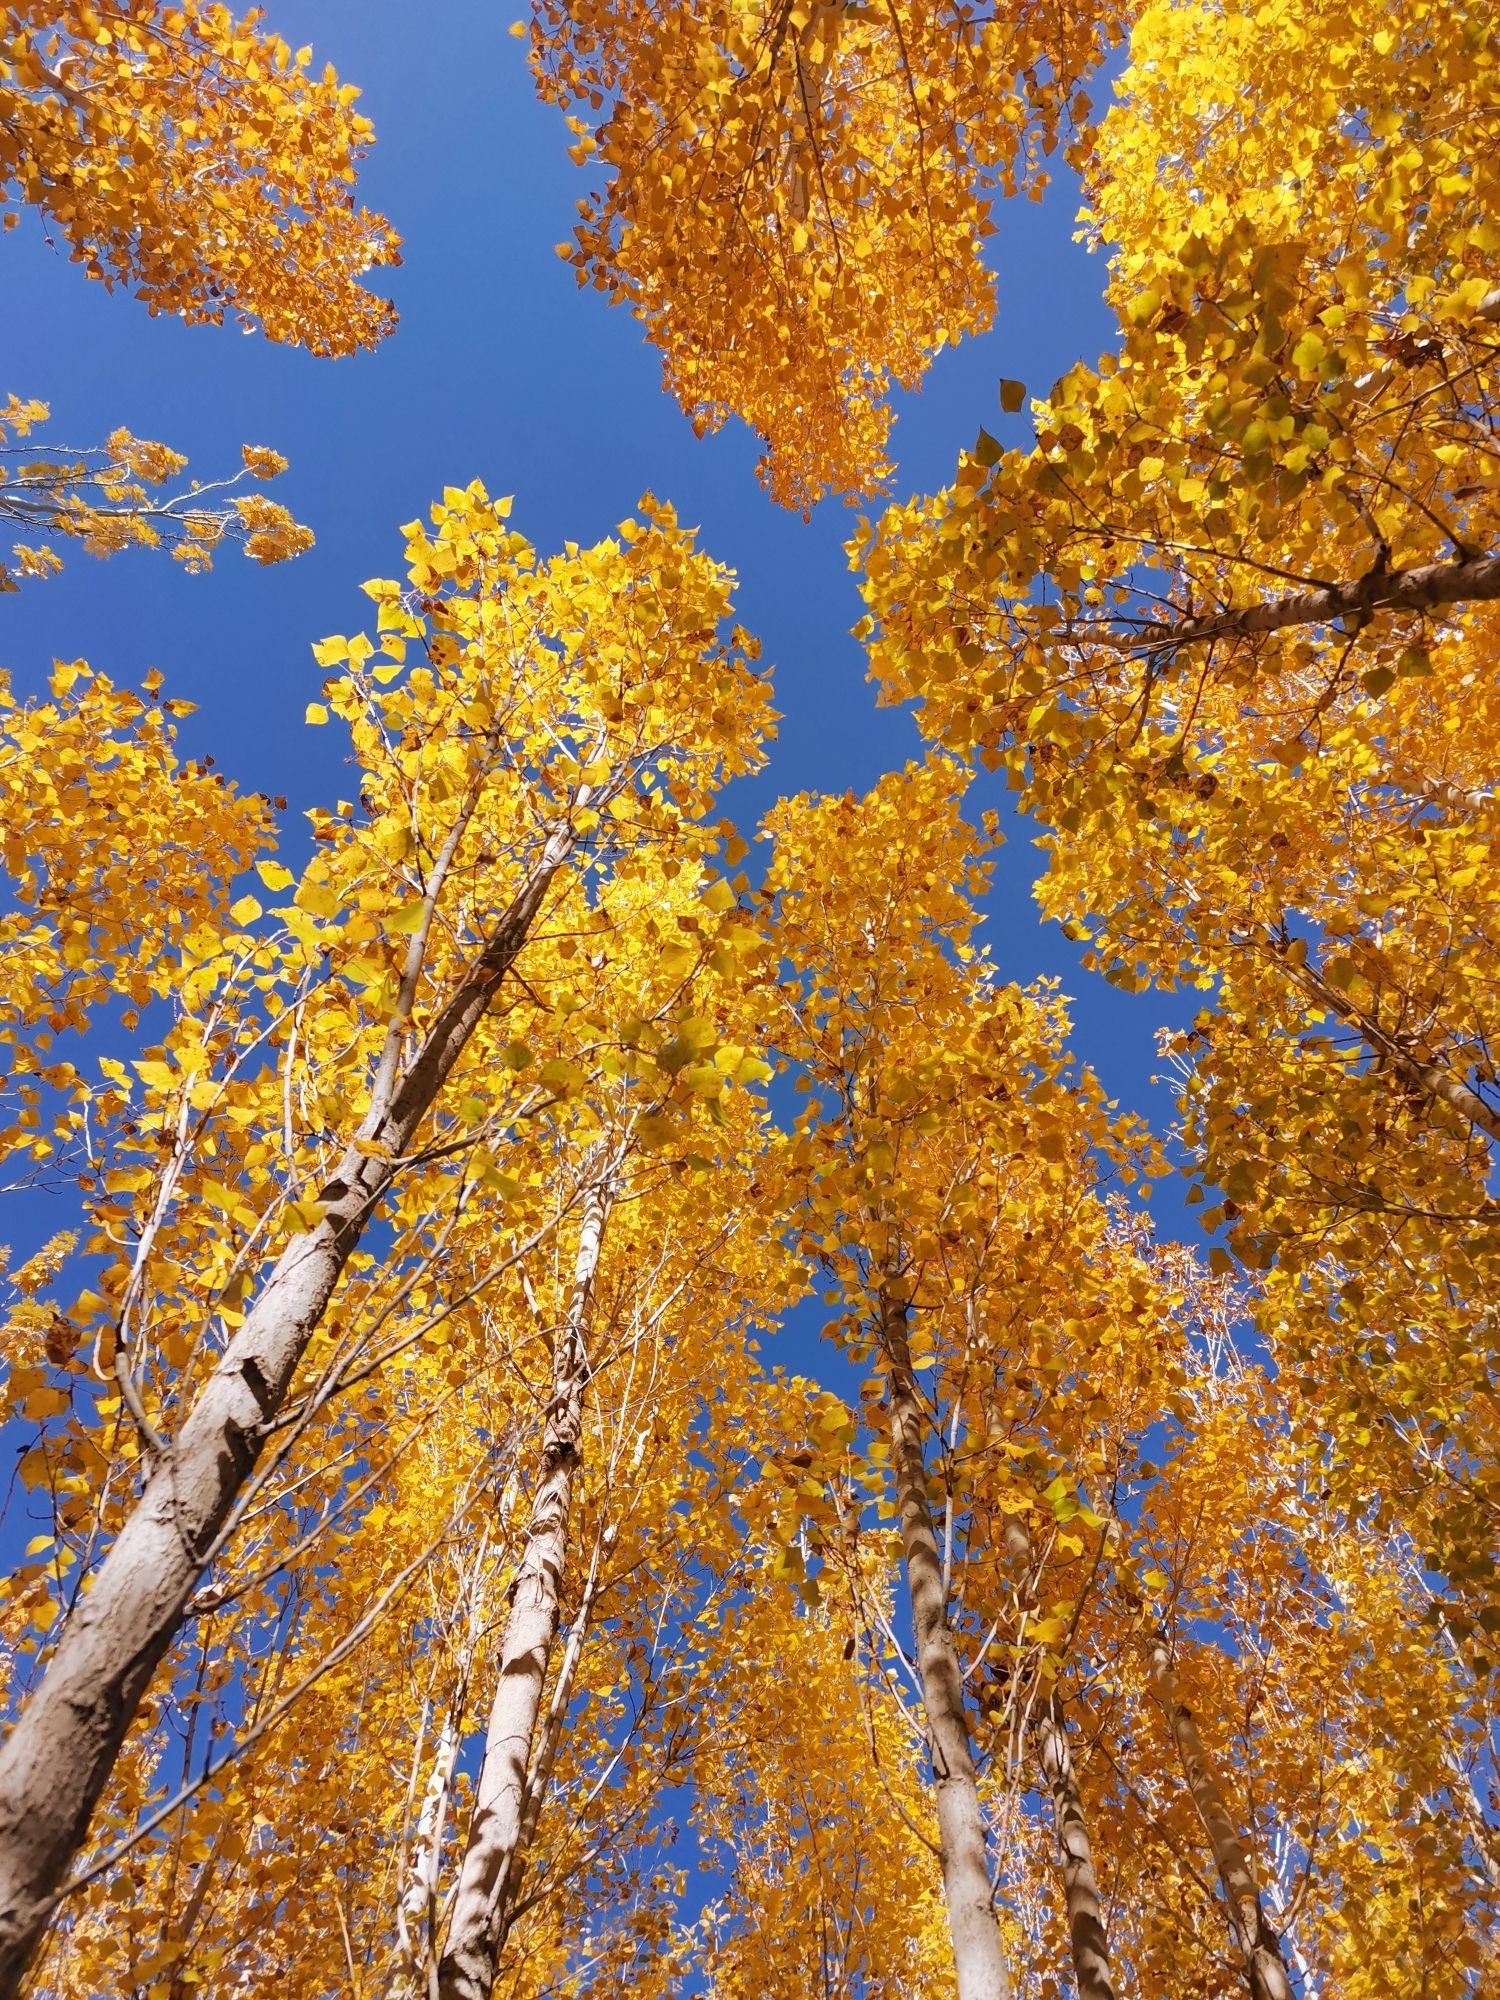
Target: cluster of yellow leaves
[1350,1743]
[945,1136]
[588,701]
[109,498]
[1226,627]
[117,856]
[795,196]
[197,159]
[813,1806]
[1304,392]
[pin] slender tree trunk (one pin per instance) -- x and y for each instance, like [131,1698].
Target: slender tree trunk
[1080,1889]
[59,1755]
[978,1955]
[493,1851]
[418,1900]
[1257,1943]
[551,1735]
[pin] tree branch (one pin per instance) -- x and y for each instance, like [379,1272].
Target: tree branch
[1468,579]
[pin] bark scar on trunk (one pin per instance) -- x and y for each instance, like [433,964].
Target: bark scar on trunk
[256,1383]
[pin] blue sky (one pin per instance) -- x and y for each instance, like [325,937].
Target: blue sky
[502,369]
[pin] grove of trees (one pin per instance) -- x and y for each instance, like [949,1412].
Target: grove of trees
[437,1558]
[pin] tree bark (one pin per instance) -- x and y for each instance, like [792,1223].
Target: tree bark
[499,1823]
[978,1955]
[1429,587]
[1441,794]
[417,1903]
[1086,1934]
[1254,1938]
[59,1755]
[551,1731]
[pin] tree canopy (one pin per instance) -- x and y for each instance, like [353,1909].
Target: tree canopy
[451,1581]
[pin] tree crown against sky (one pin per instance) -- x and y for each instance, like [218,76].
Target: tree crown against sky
[599,1406]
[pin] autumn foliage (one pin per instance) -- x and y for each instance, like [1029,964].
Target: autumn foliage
[794,198]
[196,159]
[445,1588]
[119,496]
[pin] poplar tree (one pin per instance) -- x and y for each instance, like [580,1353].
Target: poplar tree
[543,696]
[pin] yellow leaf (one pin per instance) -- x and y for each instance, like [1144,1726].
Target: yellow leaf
[317,899]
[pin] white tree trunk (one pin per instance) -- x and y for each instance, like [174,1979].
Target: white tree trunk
[493,1851]
[978,1954]
[418,1900]
[1086,1936]
[1257,1943]
[59,1755]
